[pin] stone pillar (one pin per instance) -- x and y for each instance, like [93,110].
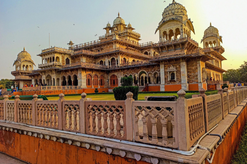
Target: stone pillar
[184,80]
[162,76]
[106,62]
[33,81]
[66,80]
[83,79]
[199,72]
[79,77]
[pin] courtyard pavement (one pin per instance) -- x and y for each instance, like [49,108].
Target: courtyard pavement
[5,159]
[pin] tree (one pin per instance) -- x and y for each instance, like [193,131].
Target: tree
[243,72]
[6,83]
[232,75]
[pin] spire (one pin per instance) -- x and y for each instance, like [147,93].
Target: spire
[118,14]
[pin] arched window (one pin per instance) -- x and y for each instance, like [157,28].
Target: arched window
[95,80]
[57,59]
[113,62]
[89,79]
[124,60]
[67,61]
[102,80]
[172,76]
[146,53]
[75,80]
[113,81]
[101,62]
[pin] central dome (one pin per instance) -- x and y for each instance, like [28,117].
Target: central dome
[174,9]
[118,20]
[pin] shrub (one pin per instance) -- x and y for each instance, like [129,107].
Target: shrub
[127,81]
[120,92]
[96,90]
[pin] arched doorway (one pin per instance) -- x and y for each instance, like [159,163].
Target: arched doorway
[63,81]
[53,82]
[75,80]
[135,79]
[58,82]
[101,62]
[143,78]
[48,80]
[156,78]
[113,81]
[69,80]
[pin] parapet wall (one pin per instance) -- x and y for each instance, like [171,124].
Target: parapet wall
[154,132]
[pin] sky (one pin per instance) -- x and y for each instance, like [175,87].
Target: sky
[28,23]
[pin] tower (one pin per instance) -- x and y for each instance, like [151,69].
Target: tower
[211,37]
[175,23]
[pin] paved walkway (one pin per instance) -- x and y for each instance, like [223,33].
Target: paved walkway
[4,159]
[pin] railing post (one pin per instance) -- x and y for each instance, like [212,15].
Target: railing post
[205,108]
[83,110]
[35,98]
[228,102]
[220,91]
[183,121]
[129,116]
[16,110]
[6,98]
[60,111]
[234,96]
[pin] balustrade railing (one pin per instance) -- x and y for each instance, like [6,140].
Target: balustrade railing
[174,124]
[25,112]
[106,118]
[155,123]
[71,116]
[47,113]
[2,109]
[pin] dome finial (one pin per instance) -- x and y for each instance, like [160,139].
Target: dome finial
[173,1]
[118,14]
[210,24]
[24,49]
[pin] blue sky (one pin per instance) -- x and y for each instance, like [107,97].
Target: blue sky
[27,23]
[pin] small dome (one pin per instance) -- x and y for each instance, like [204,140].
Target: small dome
[24,56]
[118,20]
[174,9]
[129,25]
[108,25]
[211,30]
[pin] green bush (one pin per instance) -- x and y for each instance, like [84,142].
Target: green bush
[96,90]
[120,92]
[127,81]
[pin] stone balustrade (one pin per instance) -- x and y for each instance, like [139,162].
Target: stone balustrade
[177,124]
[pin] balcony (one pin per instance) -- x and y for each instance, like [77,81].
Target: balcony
[56,49]
[52,64]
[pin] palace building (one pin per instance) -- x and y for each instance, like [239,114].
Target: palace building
[175,62]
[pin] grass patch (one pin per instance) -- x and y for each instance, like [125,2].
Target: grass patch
[241,154]
[110,96]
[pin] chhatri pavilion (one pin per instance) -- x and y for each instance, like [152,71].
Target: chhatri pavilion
[175,62]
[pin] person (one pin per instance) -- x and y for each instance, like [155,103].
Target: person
[234,84]
[239,84]
[31,85]
[210,78]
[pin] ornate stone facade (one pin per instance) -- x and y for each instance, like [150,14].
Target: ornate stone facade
[175,62]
